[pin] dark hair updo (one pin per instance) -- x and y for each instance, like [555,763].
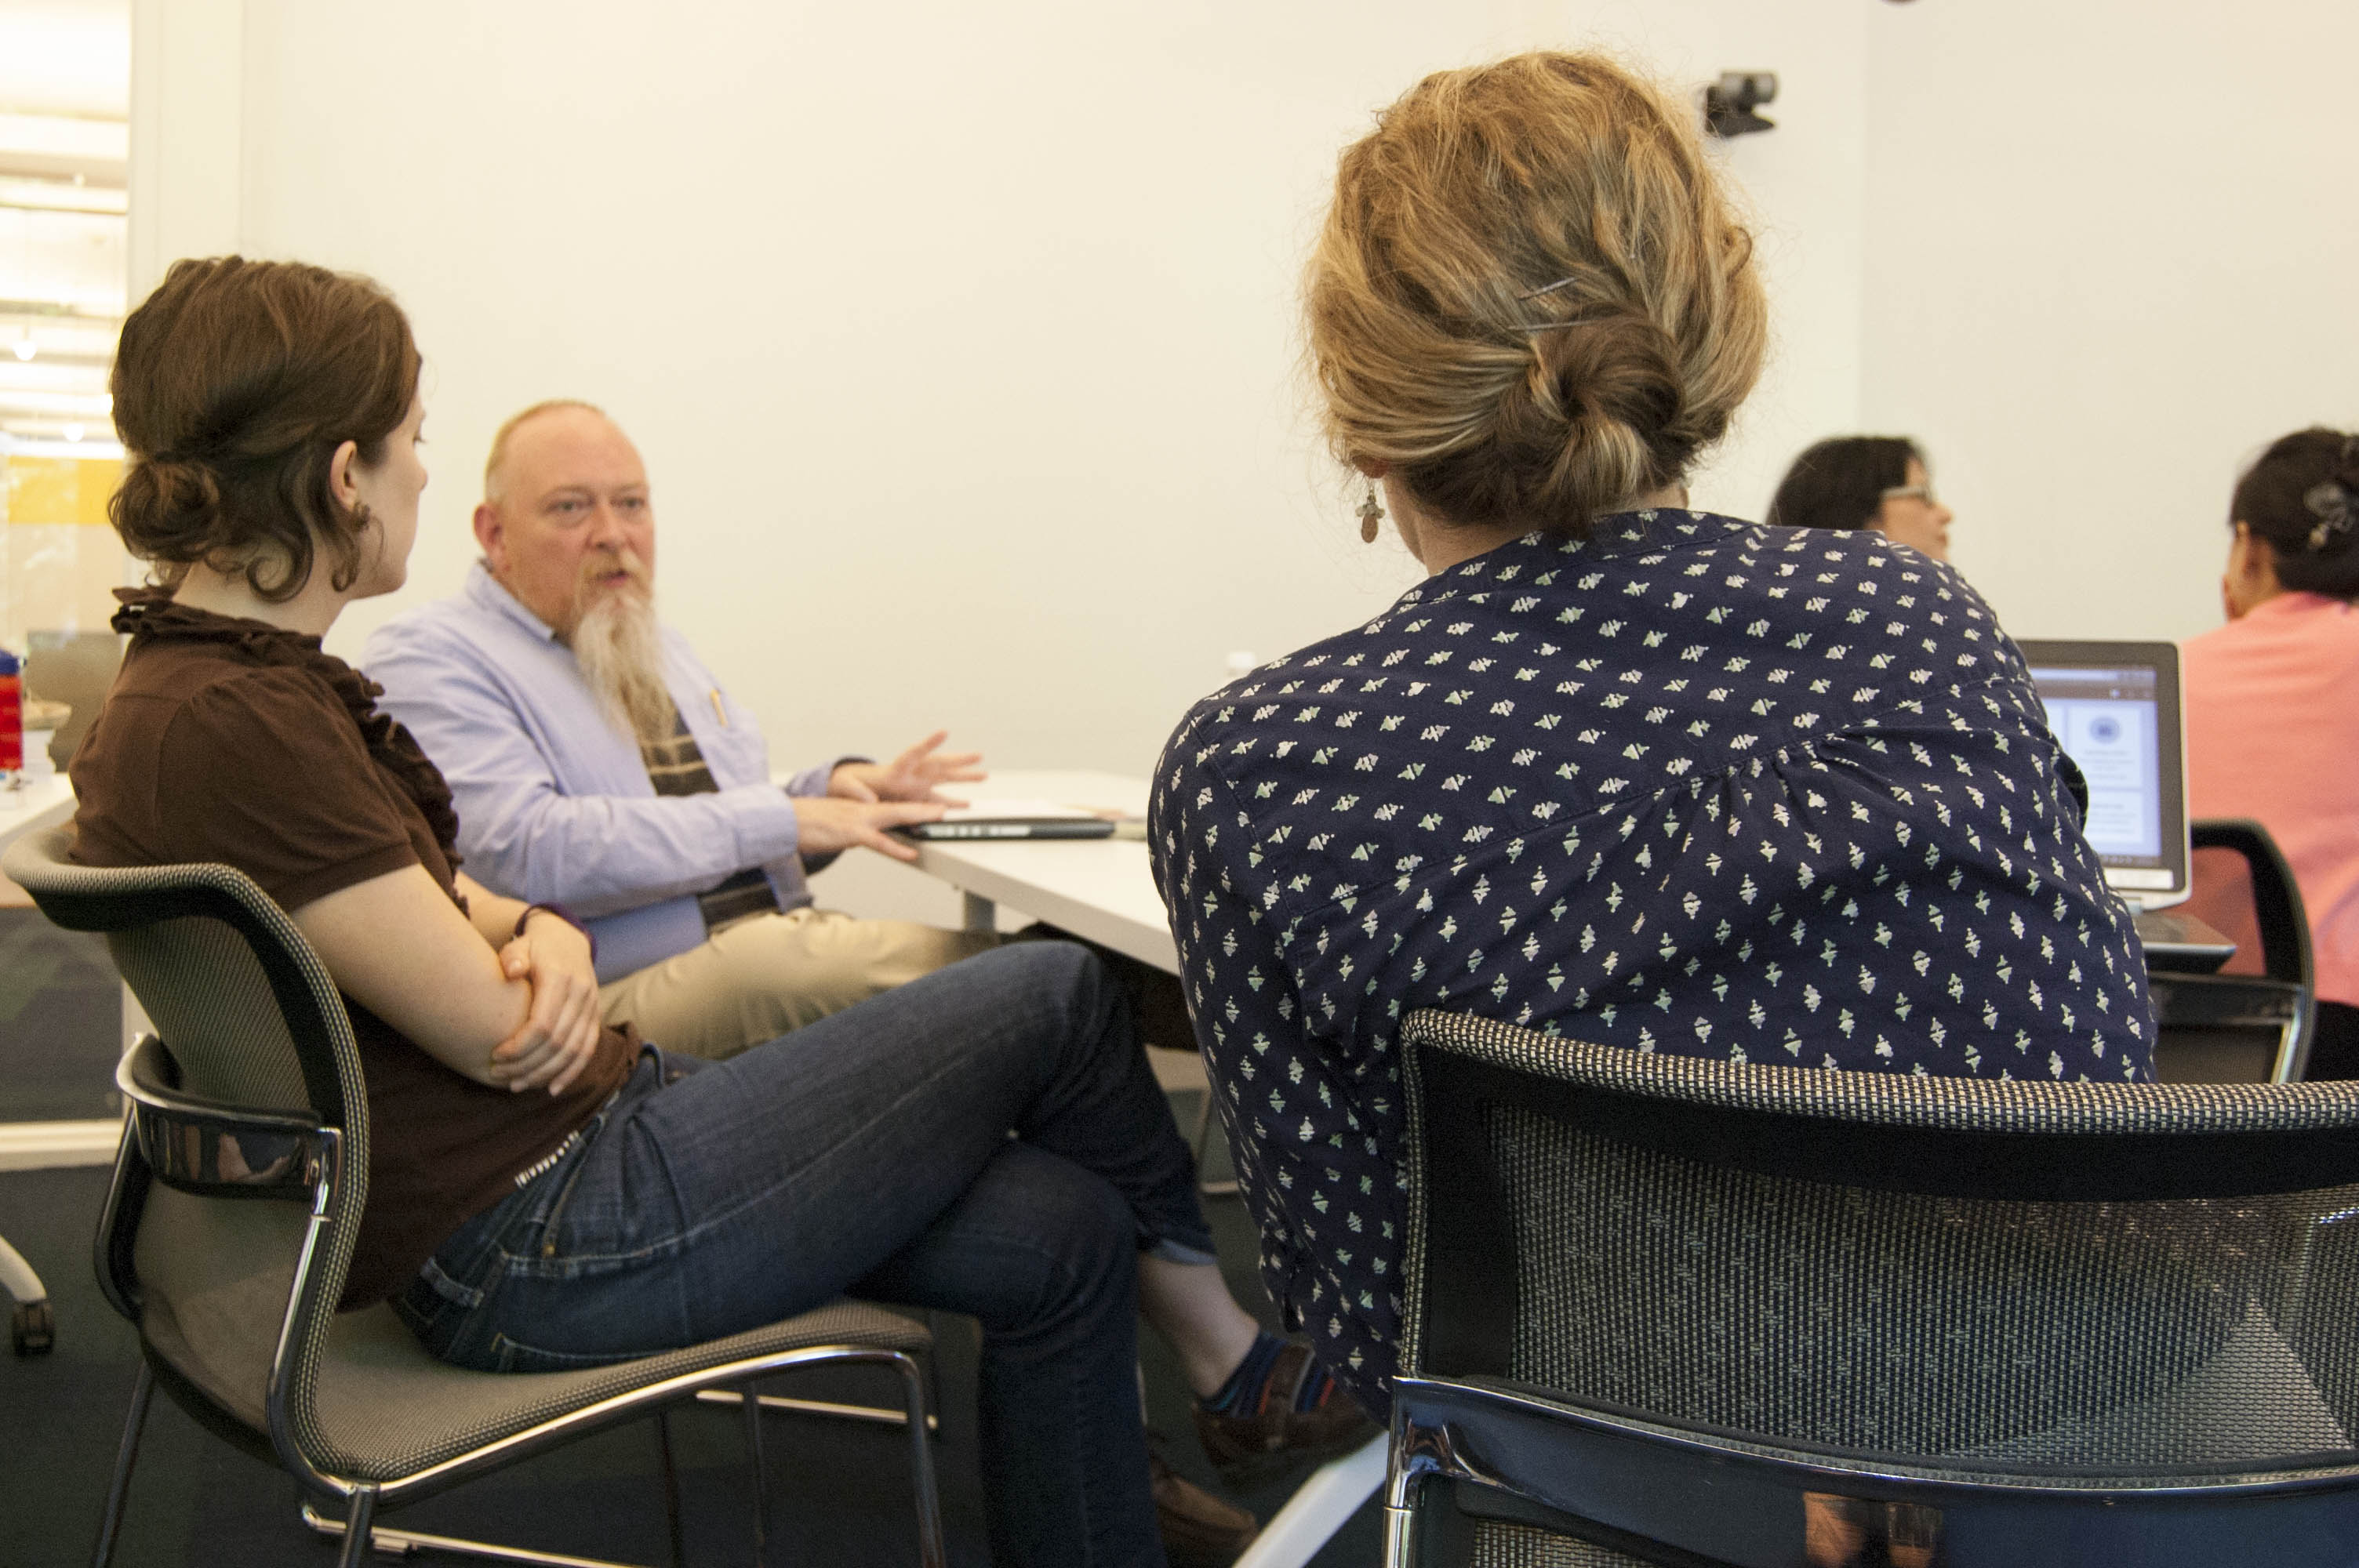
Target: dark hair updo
[1839,483]
[235,384]
[2302,496]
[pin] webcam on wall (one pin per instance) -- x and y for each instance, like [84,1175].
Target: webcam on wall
[1728,104]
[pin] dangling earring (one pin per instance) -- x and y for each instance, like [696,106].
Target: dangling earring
[1372,512]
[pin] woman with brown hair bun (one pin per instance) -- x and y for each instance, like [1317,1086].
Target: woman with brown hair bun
[546,1193]
[1619,769]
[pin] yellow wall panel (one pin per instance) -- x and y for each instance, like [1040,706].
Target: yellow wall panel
[59,490]
[59,562]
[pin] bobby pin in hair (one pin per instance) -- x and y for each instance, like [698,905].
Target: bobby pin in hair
[2331,503]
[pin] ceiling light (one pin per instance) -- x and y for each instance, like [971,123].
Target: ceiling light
[25,348]
[73,432]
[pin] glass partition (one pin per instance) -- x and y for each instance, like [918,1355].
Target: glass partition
[65,88]
[65,83]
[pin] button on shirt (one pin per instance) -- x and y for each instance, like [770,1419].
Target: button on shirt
[1694,786]
[554,801]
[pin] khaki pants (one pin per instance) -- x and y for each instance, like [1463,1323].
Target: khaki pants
[762,977]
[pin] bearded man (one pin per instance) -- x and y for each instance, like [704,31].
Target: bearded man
[597,765]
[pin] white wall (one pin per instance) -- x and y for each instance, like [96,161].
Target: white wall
[188,104]
[961,340]
[2111,252]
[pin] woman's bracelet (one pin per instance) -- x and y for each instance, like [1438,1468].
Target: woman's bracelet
[563,914]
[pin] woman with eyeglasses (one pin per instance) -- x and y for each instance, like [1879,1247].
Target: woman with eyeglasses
[1866,481]
[2272,718]
[1616,769]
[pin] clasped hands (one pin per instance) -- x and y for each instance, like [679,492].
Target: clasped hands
[562,1023]
[866,800]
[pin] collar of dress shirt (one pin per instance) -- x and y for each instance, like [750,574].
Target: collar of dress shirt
[485,592]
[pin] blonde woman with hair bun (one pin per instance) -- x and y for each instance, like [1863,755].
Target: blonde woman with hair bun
[1616,769]
[1530,301]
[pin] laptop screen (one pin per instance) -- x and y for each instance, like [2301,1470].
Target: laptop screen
[2114,707]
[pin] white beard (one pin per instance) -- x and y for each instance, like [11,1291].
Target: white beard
[622,658]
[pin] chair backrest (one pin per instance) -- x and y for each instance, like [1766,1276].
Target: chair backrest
[2253,1022]
[234,1296]
[2014,1280]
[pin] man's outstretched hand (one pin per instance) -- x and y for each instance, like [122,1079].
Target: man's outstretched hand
[828,825]
[916,773]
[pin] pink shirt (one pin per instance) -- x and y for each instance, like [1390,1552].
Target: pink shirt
[2273,734]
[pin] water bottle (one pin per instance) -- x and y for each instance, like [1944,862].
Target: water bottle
[12,716]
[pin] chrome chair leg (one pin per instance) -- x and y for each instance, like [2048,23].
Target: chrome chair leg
[753,1408]
[1401,1526]
[931,1553]
[356,1529]
[671,1489]
[125,1456]
[389,1542]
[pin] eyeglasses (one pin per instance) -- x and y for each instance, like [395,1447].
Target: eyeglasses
[1923,492]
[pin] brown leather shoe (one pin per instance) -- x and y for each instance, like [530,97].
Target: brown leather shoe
[1244,1444]
[1200,1531]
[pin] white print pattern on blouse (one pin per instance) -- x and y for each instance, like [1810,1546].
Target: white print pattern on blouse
[1695,785]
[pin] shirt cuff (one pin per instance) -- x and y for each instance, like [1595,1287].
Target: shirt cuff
[813,780]
[764,821]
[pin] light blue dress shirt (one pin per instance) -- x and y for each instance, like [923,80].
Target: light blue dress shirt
[554,801]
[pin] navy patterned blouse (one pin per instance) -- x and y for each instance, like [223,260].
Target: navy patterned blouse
[1694,786]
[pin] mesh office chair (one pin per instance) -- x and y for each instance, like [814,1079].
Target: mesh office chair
[1669,1310]
[237,1191]
[2242,1027]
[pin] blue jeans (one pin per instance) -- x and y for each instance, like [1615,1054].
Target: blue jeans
[869,1154]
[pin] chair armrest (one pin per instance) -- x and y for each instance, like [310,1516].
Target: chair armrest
[2277,897]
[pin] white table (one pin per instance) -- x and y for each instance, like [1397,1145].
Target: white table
[1097,888]
[1104,889]
[42,804]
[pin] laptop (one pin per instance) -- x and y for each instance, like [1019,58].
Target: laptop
[2114,707]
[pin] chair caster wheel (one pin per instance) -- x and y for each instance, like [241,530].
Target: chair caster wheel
[33,1329]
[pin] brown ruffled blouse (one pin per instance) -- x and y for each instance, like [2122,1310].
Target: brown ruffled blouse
[234,741]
